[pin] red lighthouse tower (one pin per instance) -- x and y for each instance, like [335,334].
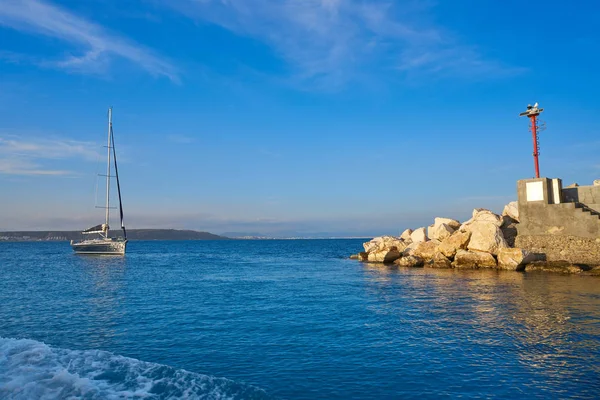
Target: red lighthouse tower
[533,112]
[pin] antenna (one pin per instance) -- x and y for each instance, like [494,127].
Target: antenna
[532,113]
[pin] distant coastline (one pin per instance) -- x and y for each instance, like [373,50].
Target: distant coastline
[132,234]
[153,234]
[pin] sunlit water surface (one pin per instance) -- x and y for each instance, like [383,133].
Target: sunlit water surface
[286,319]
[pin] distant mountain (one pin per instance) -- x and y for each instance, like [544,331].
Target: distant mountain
[294,235]
[132,234]
[245,235]
[171,234]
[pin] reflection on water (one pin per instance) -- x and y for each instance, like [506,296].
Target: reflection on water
[104,294]
[534,316]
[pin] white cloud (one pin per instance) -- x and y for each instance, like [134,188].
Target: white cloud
[96,45]
[331,42]
[47,148]
[17,166]
[19,157]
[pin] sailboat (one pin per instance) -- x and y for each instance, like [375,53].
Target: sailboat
[104,244]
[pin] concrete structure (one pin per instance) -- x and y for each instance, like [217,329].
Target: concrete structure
[558,222]
[588,195]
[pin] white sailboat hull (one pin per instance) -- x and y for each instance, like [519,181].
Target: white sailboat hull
[100,246]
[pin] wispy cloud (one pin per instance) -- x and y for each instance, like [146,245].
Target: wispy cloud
[19,157]
[95,45]
[17,166]
[331,42]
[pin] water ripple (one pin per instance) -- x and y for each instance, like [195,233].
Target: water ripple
[300,321]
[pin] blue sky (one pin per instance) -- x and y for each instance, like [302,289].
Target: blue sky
[292,116]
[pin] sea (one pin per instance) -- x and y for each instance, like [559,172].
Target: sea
[286,319]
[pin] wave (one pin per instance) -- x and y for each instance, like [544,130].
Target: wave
[33,370]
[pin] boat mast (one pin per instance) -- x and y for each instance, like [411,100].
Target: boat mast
[108,171]
[118,183]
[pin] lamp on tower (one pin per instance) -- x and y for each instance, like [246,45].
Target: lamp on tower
[532,113]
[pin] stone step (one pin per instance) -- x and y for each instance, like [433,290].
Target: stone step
[593,215]
[586,209]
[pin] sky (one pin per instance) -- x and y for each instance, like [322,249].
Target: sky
[290,117]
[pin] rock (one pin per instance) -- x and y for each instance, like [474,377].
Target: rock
[458,241]
[442,228]
[382,243]
[373,244]
[383,249]
[509,230]
[426,250]
[419,235]
[438,261]
[482,215]
[512,210]
[514,259]
[452,223]
[384,256]
[572,185]
[354,257]
[562,267]
[410,261]
[597,182]
[406,234]
[429,230]
[594,271]
[408,251]
[440,231]
[363,256]
[473,259]
[486,236]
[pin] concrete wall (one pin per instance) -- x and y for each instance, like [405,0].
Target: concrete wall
[541,213]
[573,249]
[552,224]
[558,219]
[588,195]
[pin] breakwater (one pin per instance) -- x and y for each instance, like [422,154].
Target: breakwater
[487,240]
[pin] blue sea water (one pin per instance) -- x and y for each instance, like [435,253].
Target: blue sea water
[286,319]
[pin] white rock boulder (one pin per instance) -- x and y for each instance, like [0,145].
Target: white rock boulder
[514,259]
[426,250]
[438,261]
[482,215]
[382,243]
[406,234]
[419,235]
[458,241]
[473,259]
[486,237]
[384,256]
[410,261]
[408,251]
[440,231]
[452,223]
[511,210]
[373,244]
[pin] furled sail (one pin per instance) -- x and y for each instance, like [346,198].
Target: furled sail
[118,183]
[93,229]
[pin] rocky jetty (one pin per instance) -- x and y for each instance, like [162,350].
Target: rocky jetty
[486,240]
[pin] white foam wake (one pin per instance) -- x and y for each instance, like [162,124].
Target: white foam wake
[34,370]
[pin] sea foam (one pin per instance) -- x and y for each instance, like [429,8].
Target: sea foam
[33,370]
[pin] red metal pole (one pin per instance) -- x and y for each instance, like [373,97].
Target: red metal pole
[535,144]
